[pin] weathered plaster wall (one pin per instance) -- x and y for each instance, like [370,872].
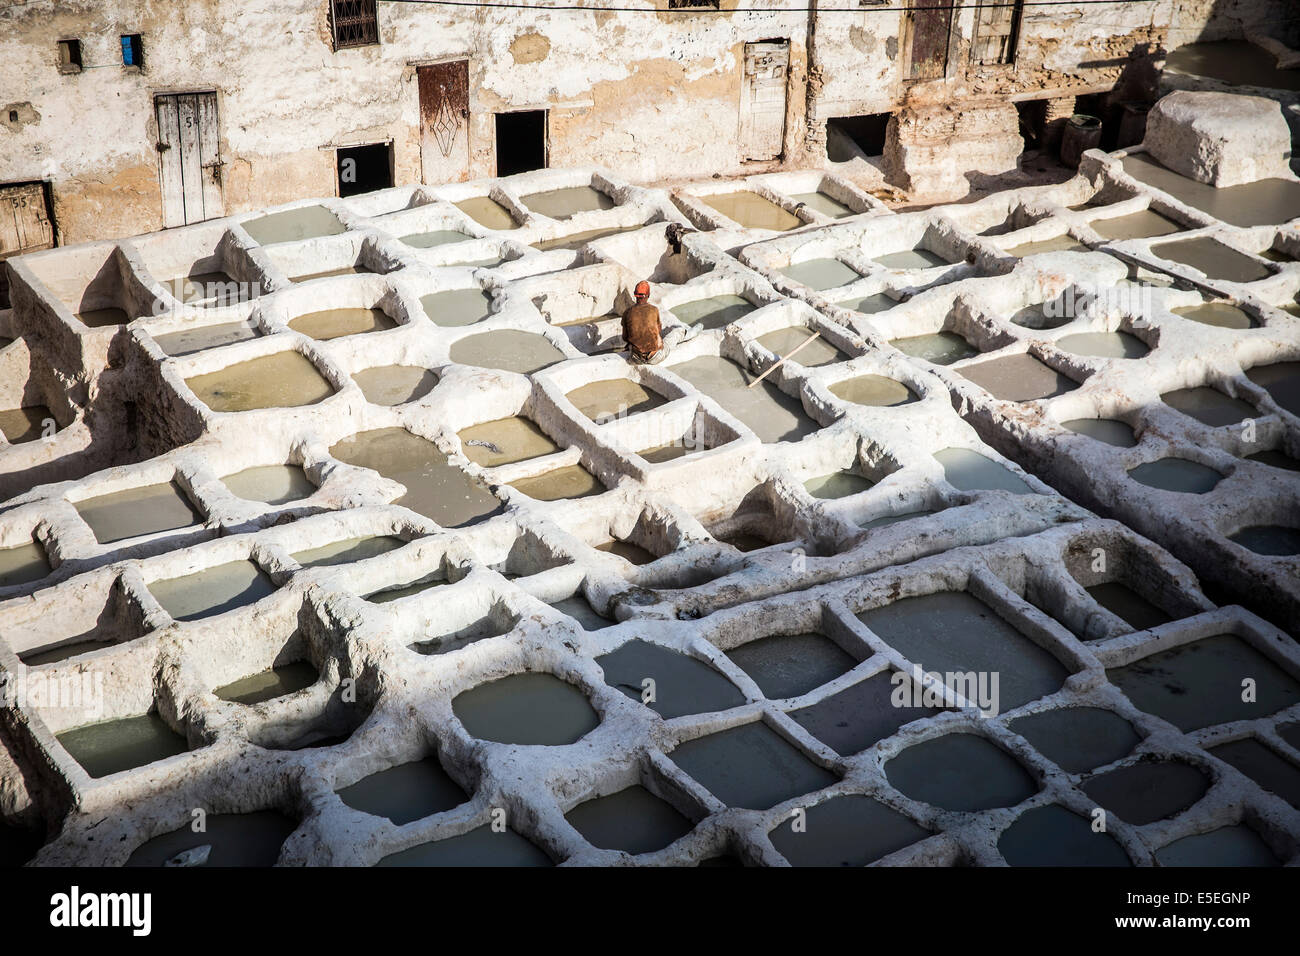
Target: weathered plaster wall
[654,95]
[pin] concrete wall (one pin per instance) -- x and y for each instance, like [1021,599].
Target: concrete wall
[653,95]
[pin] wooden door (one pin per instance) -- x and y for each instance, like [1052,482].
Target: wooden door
[762,100]
[189,164]
[444,122]
[931,38]
[24,219]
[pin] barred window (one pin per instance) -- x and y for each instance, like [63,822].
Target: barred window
[692,4]
[354,23]
[997,28]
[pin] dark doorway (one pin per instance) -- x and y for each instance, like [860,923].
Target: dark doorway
[363,169]
[867,132]
[521,141]
[1033,122]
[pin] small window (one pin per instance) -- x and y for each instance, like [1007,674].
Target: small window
[133,50]
[692,4]
[354,22]
[69,56]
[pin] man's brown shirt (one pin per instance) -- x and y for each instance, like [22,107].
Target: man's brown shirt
[641,330]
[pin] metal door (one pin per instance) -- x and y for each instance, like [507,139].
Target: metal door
[444,122]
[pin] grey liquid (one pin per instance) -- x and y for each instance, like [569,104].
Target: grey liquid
[307,222]
[269,684]
[1227,846]
[633,820]
[1209,406]
[1128,605]
[283,380]
[1078,739]
[1019,378]
[769,412]
[859,716]
[508,350]
[1146,792]
[1176,474]
[236,839]
[212,591]
[347,550]
[1199,684]
[1263,766]
[137,511]
[966,470]
[823,204]
[1268,539]
[1145,224]
[1054,836]
[23,564]
[681,685]
[405,793]
[208,337]
[750,766]
[394,384]
[571,481]
[504,441]
[941,348]
[1265,202]
[1106,430]
[581,611]
[1104,345]
[821,273]
[271,484]
[1282,382]
[790,665]
[481,847]
[457,307]
[852,830]
[1224,315]
[613,398]
[869,304]
[953,631]
[527,709]
[840,484]
[911,259]
[784,341]
[960,771]
[567,202]
[876,390]
[112,746]
[715,312]
[435,488]
[749,210]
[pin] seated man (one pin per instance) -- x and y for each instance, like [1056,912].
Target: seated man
[642,335]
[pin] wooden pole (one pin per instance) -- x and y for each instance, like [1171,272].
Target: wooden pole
[781,361]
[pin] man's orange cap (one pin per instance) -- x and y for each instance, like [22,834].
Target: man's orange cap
[643,288]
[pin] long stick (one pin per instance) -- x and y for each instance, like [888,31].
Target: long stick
[781,361]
